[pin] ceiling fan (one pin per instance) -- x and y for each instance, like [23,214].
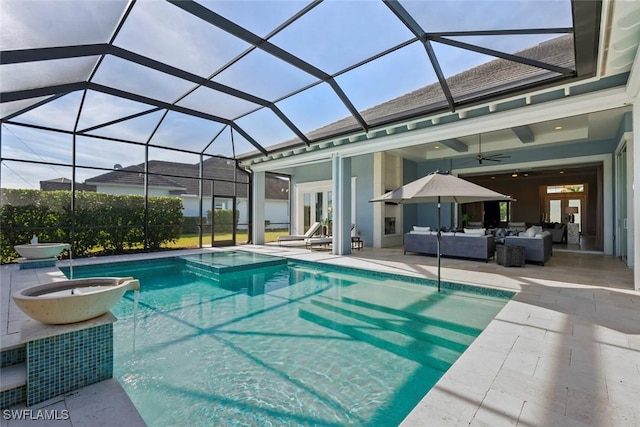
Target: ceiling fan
[490,158]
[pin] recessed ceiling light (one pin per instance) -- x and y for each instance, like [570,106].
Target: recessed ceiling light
[493,177]
[514,175]
[558,127]
[436,147]
[561,171]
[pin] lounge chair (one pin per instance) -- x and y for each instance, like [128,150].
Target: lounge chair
[318,241]
[300,237]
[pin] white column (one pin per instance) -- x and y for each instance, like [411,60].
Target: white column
[378,208]
[257,193]
[341,168]
[634,215]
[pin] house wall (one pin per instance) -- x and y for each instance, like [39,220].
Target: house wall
[119,189]
[277,213]
[410,212]
[427,213]
[362,169]
[527,208]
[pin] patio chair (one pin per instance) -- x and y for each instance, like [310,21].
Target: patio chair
[300,237]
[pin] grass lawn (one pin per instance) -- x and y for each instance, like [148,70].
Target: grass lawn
[191,240]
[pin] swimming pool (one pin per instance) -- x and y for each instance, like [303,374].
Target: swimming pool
[294,344]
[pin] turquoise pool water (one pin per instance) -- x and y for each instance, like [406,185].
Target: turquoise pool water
[295,344]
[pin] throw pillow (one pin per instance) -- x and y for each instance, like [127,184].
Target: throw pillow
[475,231]
[531,232]
[417,228]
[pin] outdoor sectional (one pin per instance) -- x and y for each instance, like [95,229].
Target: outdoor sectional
[536,249]
[459,245]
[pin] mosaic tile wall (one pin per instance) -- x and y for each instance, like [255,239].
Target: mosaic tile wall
[13,356]
[12,397]
[67,362]
[38,264]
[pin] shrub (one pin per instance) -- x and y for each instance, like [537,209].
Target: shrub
[222,220]
[107,222]
[191,224]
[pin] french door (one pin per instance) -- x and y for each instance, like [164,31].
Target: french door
[558,209]
[317,208]
[314,203]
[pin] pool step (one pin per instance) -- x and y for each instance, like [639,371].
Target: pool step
[13,389]
[422,328]
[13,376]
[424,352]
[417,310]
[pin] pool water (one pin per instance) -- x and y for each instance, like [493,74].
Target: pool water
[296,344]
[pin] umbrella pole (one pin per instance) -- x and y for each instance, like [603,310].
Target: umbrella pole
[438,244]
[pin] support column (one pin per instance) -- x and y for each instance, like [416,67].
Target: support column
[633,225]
[258,188]
[341,205]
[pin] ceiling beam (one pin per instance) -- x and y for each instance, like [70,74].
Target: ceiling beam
[502,55]
[502,32]
[19,95]
[586,20]
[32,106]
[524,134]
[50,53]
[455,144]
[121,119]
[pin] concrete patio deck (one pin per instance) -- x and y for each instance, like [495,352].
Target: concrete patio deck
[564,351]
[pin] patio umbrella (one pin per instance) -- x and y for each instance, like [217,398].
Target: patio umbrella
[438,187]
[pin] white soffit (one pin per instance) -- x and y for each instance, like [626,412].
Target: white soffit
[576,105]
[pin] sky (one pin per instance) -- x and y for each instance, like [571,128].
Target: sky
[332,36]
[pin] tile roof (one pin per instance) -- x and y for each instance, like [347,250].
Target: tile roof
[182,178]
[488,78]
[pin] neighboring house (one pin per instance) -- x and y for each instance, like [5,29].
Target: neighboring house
[64,184]
[181,179]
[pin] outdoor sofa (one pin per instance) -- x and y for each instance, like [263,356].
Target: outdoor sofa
[459,245]
[537,249]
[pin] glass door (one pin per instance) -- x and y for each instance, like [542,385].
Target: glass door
[565,210]
[317,207]
[222,217]
[314,203]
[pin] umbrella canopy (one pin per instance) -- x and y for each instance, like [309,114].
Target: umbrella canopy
[441,187]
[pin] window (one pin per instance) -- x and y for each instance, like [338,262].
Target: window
[505,214]
[567,188]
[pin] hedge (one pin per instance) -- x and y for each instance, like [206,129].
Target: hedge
[222,220]
[107,222]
